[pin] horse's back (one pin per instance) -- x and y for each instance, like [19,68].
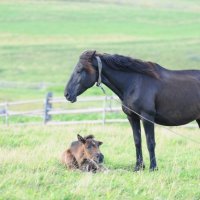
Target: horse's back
[178,99]
[179,74]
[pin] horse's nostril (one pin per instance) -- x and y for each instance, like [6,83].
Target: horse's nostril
[66,95]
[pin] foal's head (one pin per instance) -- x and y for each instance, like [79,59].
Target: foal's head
[91,148]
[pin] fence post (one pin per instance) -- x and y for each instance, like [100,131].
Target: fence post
[110,101]
[47,107]
[6,113]
[104,110]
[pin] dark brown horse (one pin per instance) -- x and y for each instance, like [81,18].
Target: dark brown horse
[83,154]
[159,95]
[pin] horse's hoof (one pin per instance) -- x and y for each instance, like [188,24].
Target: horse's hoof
[152,169]
[139,167]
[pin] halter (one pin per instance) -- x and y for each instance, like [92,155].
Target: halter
[99,64]
[99,81]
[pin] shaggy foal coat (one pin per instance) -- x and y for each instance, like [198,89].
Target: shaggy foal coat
[83,154]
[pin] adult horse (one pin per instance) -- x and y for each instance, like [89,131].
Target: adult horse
[159,95]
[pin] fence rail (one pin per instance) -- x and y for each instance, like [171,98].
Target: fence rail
[49,110]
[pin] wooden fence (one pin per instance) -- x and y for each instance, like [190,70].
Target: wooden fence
[48,110]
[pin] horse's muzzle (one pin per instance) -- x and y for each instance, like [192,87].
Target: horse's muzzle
[70,97]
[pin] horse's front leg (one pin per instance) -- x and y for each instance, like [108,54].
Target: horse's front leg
[150,137]
[135,124]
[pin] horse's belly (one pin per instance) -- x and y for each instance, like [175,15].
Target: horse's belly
[178,103]
[177,115]
[167,121]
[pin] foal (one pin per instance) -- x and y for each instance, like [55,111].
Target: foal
[84,154]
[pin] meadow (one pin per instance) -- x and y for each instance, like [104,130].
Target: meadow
[40,42]
[31,168]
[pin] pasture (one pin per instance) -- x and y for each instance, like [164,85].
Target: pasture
[40,42]
[31,169]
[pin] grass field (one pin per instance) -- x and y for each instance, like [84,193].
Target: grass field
[31,168]
[40,42]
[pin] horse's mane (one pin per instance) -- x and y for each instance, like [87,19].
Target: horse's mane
[121,63]
[124,63]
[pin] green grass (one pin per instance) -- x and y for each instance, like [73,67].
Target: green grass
[31,168]
[40,41]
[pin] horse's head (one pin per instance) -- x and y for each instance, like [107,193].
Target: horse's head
[83,77]
[91,148]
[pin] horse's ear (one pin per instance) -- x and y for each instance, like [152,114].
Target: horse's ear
[81,139]
[100,143]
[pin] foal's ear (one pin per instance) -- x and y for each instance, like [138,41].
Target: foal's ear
[81,139]
[100,143]
[93,54]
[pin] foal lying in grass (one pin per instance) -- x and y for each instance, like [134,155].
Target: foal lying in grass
[84,154]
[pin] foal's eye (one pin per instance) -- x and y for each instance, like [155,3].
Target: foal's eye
[89,146]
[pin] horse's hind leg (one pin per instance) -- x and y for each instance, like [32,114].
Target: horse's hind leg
[198,122]
[150,137]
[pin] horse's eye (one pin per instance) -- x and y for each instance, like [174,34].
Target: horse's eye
[79,71]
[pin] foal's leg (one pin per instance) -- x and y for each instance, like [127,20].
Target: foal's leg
[150,137]
[198,121]
[135,124]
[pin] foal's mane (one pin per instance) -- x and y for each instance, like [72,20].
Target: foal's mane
[89,137]
[124,63]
